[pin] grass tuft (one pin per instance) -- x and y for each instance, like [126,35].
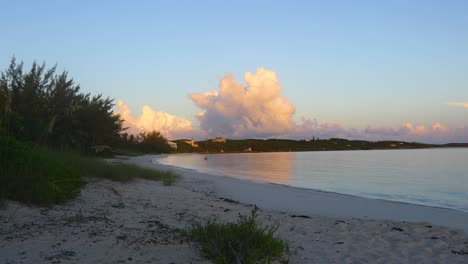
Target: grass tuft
[35,175]
[97,168]
[42,176]
[241,242]
[115,192]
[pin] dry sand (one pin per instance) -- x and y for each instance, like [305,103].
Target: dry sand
[140,225]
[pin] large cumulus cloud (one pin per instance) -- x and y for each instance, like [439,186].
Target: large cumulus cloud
[257,109]
[254,109]
[170,126]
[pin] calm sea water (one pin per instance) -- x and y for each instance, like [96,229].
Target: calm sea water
[435,177]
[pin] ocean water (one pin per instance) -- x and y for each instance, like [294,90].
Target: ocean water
[434,177]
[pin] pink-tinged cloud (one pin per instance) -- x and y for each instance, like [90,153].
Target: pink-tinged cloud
[256,109]
[439,128]
[418,130]
[436,133]
[170,126]
[309,128]
[459,104]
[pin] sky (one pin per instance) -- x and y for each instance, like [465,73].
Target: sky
[292,69]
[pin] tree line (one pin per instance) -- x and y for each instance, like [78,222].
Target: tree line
[45,107]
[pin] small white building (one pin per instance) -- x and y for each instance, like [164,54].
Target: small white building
[219,140]
[191,142]
[173,145]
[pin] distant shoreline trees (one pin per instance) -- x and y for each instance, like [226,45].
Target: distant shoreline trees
[148,142]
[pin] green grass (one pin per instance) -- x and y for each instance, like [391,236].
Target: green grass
[42,176]
[129,152]
[98,168]
[35,175]
[241,242]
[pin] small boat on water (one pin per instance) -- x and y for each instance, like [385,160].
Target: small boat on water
[206,146]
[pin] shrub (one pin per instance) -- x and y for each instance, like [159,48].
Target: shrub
[241,242]
[153,142]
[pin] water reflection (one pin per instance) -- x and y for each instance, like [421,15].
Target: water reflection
[269,167]
[431,176]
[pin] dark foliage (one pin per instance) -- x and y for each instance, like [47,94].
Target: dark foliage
[151,142]
[35,175]
[285,145]
[44,107]
[41,115]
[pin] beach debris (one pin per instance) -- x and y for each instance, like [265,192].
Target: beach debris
[460,252]
[238,261]
[300,216]
[229,200]
[121,237]
[119,205]
[115,192]
[63,254]
[397,229]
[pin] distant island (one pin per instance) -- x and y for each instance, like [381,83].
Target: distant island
[222,145]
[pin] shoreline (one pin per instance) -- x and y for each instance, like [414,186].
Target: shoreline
[295,187]
[140,222]
[291,199]
[319,150]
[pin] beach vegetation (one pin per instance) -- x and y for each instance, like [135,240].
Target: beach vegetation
[119,171]
[40,175]
[243,241]
[47,108]
[35,175]
[51,135]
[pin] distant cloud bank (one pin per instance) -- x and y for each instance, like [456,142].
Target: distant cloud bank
[257,109]
[459,104]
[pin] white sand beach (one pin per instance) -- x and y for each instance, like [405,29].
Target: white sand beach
[140,225]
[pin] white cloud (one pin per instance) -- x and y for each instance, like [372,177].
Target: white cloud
[170,126]
[235,110]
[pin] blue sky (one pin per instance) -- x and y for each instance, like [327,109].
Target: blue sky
[354,63]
